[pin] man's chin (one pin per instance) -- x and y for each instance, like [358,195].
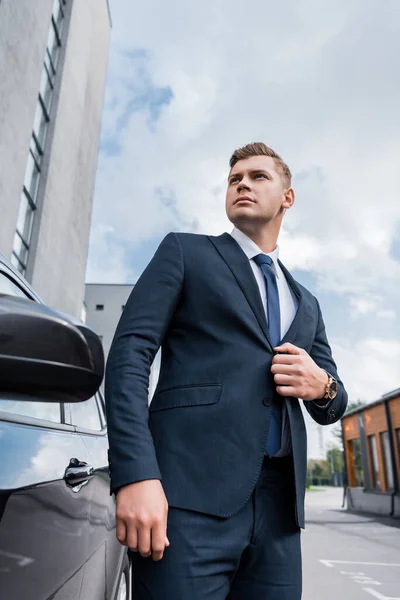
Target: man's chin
[244,220]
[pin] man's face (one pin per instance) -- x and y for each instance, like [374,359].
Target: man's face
[256,192]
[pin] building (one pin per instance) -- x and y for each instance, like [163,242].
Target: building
[371,439]
[53,61]
[104,303]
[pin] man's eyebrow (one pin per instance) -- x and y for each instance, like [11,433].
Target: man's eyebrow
[264,171]
[251,172]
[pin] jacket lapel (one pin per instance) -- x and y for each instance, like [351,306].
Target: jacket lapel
[239,264]
[305,310]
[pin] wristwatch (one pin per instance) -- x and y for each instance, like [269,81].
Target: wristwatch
[331,388]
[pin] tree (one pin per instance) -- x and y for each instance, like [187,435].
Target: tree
[353,405]
[334,457]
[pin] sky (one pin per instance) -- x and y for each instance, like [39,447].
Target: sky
[188,83]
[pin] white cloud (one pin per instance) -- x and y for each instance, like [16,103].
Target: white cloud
[387,314]
[370,367]
[109,263]
[315,81]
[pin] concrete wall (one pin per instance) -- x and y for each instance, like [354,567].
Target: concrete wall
[112,297]
[376,503]
[24,27]
[57,265]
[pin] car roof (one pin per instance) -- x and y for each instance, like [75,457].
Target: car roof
[7,267]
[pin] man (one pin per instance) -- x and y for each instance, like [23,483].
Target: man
[210,480]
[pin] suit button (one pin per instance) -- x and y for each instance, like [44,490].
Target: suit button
[267,401]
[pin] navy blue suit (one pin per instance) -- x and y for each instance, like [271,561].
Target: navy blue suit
[205,433]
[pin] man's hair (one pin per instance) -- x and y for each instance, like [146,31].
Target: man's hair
[261,149]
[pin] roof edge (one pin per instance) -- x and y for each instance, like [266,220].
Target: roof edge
[388,396]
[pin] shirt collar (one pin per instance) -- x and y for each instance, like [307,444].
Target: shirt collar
[251,249]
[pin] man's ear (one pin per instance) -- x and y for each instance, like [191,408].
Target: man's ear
[290,197]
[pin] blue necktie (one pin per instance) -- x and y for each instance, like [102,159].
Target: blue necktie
[274,440]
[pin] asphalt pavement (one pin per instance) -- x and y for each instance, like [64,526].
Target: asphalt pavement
[348,556]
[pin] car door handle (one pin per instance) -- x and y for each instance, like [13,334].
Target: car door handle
[77,472]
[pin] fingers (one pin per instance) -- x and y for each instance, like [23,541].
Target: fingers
[141,518]
[121,531]
[285,359]
[283,369]
[288,348]
[287,390]
[132,537]
[144,537]
[158,541]
[283,379]
[144,540]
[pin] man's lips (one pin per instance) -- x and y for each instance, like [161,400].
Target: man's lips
[244,199]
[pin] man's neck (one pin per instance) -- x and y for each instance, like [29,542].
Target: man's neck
[265,240]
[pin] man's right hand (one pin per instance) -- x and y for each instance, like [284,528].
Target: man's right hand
[141,513]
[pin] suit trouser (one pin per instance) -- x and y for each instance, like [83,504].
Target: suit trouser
[253,555]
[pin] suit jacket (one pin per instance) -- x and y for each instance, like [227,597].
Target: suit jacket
[205,432]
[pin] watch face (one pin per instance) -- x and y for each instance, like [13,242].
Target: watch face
[333,389]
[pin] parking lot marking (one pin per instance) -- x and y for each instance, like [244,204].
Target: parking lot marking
[361,578]
[331,563]
[379,595]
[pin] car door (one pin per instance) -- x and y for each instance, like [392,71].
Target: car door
[106,555]
[44,495]
[44,526]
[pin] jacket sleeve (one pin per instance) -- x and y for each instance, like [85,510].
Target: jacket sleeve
[139,335]
[321,353]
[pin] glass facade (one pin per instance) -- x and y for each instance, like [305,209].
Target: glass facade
[373,452]
[358,469]
[28,205]
[387,460]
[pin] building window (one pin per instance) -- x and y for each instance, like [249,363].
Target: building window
[387,460]
[398,439]
[356,474]
[373,454]
[99,306]
[28,205]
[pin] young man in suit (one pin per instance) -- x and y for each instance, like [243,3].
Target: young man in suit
[210,480]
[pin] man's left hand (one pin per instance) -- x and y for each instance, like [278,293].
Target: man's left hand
[296,374]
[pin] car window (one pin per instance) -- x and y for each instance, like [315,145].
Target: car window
[48,411]
[85,414]
[7,286]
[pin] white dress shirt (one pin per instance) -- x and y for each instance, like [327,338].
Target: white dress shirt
[288,307]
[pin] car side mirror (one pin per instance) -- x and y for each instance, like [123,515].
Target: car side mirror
[44,353]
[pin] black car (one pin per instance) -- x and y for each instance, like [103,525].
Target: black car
[57,518]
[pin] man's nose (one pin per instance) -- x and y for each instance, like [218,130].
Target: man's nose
[244,185]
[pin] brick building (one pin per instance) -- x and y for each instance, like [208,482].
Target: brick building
[371,439]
